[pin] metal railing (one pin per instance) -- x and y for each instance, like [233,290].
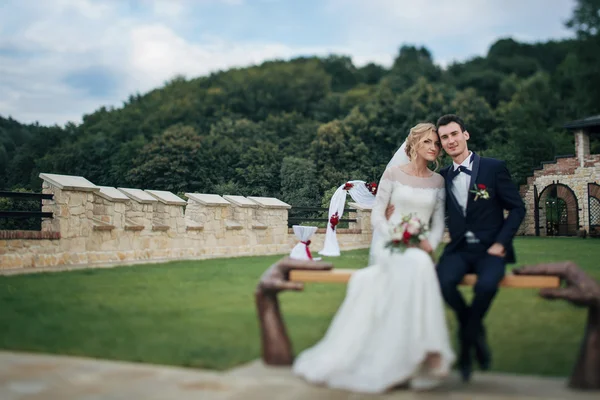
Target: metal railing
[23,210]
[317,216]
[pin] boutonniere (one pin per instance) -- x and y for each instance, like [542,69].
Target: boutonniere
[480,191]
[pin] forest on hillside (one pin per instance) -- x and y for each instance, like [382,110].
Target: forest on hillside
[298,129]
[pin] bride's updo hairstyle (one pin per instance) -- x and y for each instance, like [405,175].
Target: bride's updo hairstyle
[416,136]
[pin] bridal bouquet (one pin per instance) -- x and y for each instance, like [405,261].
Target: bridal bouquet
[410,231]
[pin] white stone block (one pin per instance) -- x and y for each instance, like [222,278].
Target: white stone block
[241,201]
[112,194]
[167,197]
[233,225]
[138,195]
[269,202]
[69,182]
[211,200]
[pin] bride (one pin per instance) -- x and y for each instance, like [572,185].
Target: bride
[391,329]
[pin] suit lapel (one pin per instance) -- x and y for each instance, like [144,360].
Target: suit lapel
[449,189]
[474,173]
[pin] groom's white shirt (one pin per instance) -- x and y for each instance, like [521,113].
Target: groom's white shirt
[460,184]
[460,190]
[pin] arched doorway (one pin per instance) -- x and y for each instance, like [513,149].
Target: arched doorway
[558,211]
[594,209]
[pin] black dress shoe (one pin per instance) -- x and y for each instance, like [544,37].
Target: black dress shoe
[465,368]
[482,351]
[464,361]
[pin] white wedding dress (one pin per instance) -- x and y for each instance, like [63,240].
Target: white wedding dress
[393,312]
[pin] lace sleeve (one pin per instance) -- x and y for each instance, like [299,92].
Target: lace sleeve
[382,200]
[438,223]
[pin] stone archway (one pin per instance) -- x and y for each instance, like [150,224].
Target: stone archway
[594,209]
[558,211]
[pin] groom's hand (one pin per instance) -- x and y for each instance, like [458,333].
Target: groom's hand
[389,211]
[497,249]
[426,246]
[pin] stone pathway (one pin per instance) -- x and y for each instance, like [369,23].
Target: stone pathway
[25,376]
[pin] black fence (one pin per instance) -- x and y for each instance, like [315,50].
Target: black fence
[316,216]
[22,210]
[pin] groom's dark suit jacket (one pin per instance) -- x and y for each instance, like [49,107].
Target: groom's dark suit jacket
[485,217]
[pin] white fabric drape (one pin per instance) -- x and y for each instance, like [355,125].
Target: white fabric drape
[301,250]
[361,195]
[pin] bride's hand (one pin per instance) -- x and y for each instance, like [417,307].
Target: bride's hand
[389,211]
[426,246]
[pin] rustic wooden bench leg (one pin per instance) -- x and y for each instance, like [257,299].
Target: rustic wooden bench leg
[580,290]
[276,345]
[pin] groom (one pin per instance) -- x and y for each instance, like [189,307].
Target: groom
[478,190]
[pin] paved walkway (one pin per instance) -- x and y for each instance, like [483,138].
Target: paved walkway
[47,377]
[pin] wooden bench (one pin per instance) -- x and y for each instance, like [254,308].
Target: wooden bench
[510,281]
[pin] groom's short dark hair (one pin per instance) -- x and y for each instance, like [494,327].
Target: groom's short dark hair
[448,118]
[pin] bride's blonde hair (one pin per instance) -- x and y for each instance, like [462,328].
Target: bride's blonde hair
[416,136]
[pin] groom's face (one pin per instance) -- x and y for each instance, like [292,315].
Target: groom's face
[454,139]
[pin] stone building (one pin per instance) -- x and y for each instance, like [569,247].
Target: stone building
[563,196]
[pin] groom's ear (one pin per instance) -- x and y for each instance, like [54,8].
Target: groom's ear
[466,133]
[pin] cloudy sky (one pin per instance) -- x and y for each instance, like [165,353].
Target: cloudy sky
[60,59]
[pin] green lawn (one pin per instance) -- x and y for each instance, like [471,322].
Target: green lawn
[201,313]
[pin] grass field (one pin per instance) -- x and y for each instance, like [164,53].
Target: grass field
[201,313]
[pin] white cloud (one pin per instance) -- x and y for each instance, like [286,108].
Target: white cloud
[168,8]
[157,52]
[450,29]
[144,55]
[51,40]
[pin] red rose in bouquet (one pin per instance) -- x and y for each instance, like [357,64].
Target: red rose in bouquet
[410,231]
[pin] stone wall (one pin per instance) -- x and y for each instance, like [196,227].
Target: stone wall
[573,173]
[102,225]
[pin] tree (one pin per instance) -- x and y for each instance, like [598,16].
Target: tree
[478,117]
[299,185]
[586,74]
[586,18]
[171,161]
[529,130]
[371,73]
[344,74]
[411,64]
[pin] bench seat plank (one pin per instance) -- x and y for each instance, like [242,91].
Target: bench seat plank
[340,275]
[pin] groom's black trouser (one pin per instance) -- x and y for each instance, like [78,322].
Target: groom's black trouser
[470,258]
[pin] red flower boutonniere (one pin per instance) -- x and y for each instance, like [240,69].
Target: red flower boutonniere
[480,191]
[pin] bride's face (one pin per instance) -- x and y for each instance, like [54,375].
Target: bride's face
[429,147]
